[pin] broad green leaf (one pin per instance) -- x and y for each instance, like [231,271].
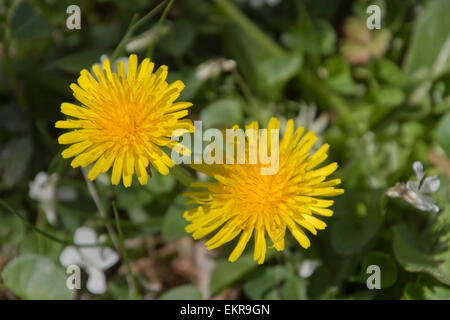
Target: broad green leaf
[27,23]
[174,222]
[34,277]
[249,54]
[278,70]
[426,287]
[226,273]
[429,51]
[135,196]
[187,292]
[14,160]
[316,38]
[12,229]
[387,266]
[389,97]
[443,133]
[414,260]
[159,183]
[222,113]
[294,289]
[362,214]
[339,76]
[75,62]
[261,282]
[387,72]
[413,291]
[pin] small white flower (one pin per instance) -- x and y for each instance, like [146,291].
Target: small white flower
[214,67]
[417,192]
[307,118]
[43,190]
[114,66]
[95,260]
[307,267]
[142,41]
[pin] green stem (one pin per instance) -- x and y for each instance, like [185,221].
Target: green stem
[182,175]
[134,25]
[305,77]
[46,234]
[151,45]
[247,25]
[134,285]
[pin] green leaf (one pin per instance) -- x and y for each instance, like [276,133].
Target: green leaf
[443,133]
[75,62]
[294,289]
[27,23]
[413,291]
[133,197]
[389,97]
[430,44]
[261,282]
[159,183]
[249,54]
[14,160]
[226,273]
[222,113]
[414,260]
[34,277]
[387,72]
[361,216]
[387,266]
[314,38]
[12,229]
[174,222]
[187,292]
[278,70]
[339,76]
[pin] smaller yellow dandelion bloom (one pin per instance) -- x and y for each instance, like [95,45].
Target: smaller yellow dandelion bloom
[242,201]
[124,119]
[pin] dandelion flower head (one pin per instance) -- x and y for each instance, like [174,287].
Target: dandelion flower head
[124,119]
[243,202]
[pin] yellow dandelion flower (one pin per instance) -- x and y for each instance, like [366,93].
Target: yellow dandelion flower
[124,119]
[243,201]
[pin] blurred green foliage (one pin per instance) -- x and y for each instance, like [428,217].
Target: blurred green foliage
[386,95]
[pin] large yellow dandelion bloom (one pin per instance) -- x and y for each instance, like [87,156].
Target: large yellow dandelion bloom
[243,201]
[124,119]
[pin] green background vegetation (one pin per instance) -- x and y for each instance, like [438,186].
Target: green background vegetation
[386,95]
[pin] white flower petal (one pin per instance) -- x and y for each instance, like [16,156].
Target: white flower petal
[85,236]
[115,66]
[430,185]
[108,258]
[418,169]
[69,256]
[307,268]
[49,208]
[412,186]
[96,282]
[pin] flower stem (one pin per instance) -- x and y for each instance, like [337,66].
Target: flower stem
[182,175]
[151,45]
[133,282]
[101,210]
[134,25]
[248,26]
[45,233]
